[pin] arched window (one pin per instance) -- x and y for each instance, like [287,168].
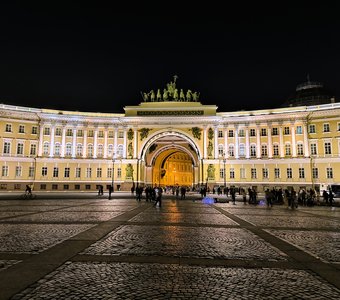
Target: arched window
[264,151]
[120,150]
[89,150]
[253,150]
[57,149]
[68,149]
[110,150]
[231,150]
[220,150]
[100,150]
[46,148]
[79,149]
[242,150]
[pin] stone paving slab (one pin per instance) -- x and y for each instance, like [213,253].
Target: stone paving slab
[98,208]
[333,212]
[189,218]
[291,221]
[5,264]
[30,208]
[156,281]
[264,211]
[65,216]
[35,238]
[323,245]
[6,215]
[227,243]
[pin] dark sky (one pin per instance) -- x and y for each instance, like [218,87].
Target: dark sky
[96,57]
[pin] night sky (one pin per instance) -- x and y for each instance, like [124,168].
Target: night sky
[95,57]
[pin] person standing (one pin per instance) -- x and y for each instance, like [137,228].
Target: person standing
[158,192]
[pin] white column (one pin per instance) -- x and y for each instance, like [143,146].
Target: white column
[85,143]
[270,143]
[41,140]
[95,142]
[205,142]
[282,149]
[305,140]
[293,141]
[74,142]
[258,143]
[105,142]
[226,152]
[52,141]
[236,143]
[215,142]
[135,136]
[125,141]
[63,144]
[115,143]
[247,143]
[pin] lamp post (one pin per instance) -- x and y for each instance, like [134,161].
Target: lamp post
[113,173]
[224,174]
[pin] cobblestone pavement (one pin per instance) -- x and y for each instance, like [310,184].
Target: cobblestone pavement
[96,248]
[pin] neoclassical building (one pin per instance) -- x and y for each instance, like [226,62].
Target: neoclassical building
[170,138]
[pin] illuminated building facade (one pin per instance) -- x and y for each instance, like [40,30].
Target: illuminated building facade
[169,139]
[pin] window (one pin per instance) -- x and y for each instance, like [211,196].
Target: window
[68,149]
[231,133]
[7,147]
[232,173]
[31,172]
[47,131]
[264,151]
[3,186]
[253,173]
[298,129]
[110,134]
[326,127]
[275,131]
[46,148]
[312,128]
[265,173]
[252,132]
[110,150]
[8,128]
[4,172]
[57,149]
[67,172]
[78,172]
[277,173]
[243,173]
[231,150]
[99,172]
[21,129]
[120,150]
[100,133]
[286,130]
[58,131]
[315,172]
[299,149]
[43,186]
[66,186]
[220,150]
[88,172]
[289,173]
[100,150]
[313,149]
[220,133]
[329,172]
[44,171]
[287,150]
[90,133]
[69,132]
[33,149]
[20,149]
[54,186]
[89,150]
[263,132]
[34,129]
[252,150]
[338,126]
[221,173]
[301,173]
[276,150]
[87,186]
[242,150]
[120,134]
[80,133]
[17,186]
[109,173]
[119,172]
[328,149]
[241,133]
[79,149]
[55,172]
[77,186]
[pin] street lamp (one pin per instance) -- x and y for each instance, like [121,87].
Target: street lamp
[113,173]
[224,174]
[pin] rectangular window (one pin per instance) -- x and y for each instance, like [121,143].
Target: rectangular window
[312,128]
[33,149]
[220,133]
[21,129]
[4,172]
[277,173]
[275,131]
[69,132]
[55,172]
[243,173]
[253,173]
[7,147]
[44,171]
[80,133]
[221,173]
[109,173]
[119,172]
[99,172]
[20,149]
[329,173]
[78,172]
[87,187]
[34,129]
[110,134]
[252,132]
[8,128]
[265,173]
[31,172]
[241,133]
[338,126]
[231,133]
[328,149]
[313,149]
[263,132]
[66,186]
[298,129]
[299,149]
[3,186]
[120,134]
[286,130]
[315,172]
[58,131]
[276,150]
[264,151]
[67,172]
[326,127]
[77,186]
[100,133]
[88,172]
[17,186]
[90,133]
[54,186]
[301,173]
[43,186]
[289,173]
[232,173]
[47,131]
[252,150]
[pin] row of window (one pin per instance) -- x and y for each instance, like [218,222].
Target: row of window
[43,186]
[277,173]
